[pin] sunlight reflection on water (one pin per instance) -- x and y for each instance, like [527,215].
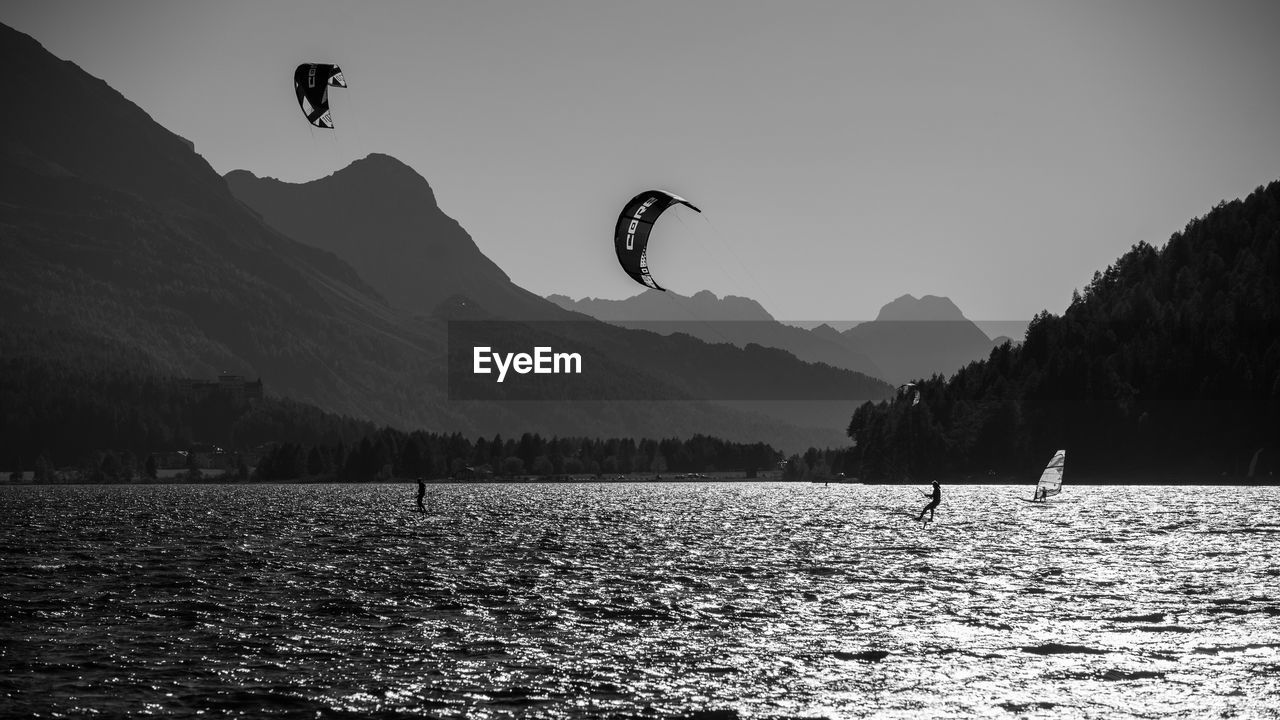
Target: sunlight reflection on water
[639,600]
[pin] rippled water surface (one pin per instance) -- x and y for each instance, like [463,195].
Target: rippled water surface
[639,600]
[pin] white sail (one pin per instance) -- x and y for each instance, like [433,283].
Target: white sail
[1253,464]
[1051,479]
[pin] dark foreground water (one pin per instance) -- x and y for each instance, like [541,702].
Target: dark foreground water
[638,600]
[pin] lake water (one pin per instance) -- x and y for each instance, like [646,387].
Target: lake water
[763,600]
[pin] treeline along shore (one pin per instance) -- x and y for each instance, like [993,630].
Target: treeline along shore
[94,422]
[389,455]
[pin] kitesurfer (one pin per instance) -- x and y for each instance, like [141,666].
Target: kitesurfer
[934,499]
[422,492]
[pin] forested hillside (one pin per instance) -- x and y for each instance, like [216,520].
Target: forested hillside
[102,424]
[66,414]
[1168,363]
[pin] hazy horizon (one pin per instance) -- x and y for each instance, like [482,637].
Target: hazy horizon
[995,153]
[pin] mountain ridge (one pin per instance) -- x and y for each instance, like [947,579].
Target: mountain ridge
[148,261]
[381,217]
[926,308]
[911,338]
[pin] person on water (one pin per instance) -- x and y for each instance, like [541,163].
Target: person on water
[934,499]
[1041,495]
[422,492]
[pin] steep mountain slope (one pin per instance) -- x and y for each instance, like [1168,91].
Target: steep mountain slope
[120,241]
[121,247]
[381,217]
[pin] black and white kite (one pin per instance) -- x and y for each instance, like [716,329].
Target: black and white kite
[311,82]
[631,236]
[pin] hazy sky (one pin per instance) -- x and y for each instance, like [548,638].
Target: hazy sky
[844,153]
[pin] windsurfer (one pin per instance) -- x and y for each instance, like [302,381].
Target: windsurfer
[422,492]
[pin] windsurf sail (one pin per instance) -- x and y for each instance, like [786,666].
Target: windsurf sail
[1051,479]
[1253,464]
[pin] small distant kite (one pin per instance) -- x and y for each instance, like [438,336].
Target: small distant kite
[910,391]
[631,236]
[311,82]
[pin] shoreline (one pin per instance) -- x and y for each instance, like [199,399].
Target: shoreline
[1097,481]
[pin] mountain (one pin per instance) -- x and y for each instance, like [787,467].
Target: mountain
[123,249]
[652,305]
[381,217]
[1164,367]
[123,245]
[913,338]
[927,308]
[736,320]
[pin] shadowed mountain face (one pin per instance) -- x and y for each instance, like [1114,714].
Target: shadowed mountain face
[61,123]
[381,217]
[122,248]
[915,338]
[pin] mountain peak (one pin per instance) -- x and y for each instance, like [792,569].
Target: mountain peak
[926,308]
[383,163]
[381,216]
[384,174]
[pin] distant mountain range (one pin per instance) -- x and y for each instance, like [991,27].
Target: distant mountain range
[657,305]
[122,247]
[449,279]
[911,338]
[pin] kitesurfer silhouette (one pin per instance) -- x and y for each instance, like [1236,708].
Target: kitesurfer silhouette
[935,498]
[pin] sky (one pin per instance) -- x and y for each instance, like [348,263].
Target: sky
[997,152]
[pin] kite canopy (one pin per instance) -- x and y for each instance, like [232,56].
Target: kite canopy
[911,391]
[631,236]
[311,82]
